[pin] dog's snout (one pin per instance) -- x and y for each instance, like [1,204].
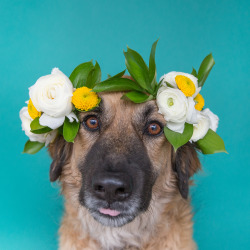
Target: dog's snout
[112,186]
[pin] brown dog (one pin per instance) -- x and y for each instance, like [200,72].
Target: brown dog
[124,186]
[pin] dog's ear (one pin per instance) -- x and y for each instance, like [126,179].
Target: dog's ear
[185,164]
[60,151]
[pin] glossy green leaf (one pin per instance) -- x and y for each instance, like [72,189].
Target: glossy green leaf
[152,66]
[137,68]
[169,84]
[60,130]
[211,143]
[116,84]
[119,75]
[36,128]
[70,130]
[32,147]
[79,75]
[194,72]
[206,66]
[178,139]
[138,97]
[157,86]
[94,76]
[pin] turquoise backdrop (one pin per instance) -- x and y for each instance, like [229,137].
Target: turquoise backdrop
[36,36]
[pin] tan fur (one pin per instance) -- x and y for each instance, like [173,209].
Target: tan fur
[167,224]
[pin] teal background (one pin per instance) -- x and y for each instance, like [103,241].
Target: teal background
[36,36]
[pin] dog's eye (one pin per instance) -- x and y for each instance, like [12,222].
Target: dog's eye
[92,123]
[154,128]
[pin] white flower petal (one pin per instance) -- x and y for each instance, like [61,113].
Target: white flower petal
[197,91]
[200,129]
[51,122]
[72,117]
[176,127]
[214,119]
[52,94]
[191,112]
[172,104]
[50,137]
[170,78]
[26,120]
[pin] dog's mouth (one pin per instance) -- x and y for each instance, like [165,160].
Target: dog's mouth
[115,215]
[110,212]
[112,218]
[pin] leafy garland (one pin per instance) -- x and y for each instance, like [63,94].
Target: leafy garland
[144,88]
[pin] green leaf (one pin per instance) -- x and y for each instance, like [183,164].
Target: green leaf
[36,128]
[138,97]
[206,66]
[32,147]
[79,75]
[70,130]
[60,130]
[169,84]
[152,66]
[117,84]
[119,75]
[157,88]
[211,143]
[194,73]
[178,139]
[137,68]
[94,76]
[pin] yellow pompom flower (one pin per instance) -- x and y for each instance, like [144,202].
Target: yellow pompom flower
[185,84]
[33,112]
[200,102]
[84,100]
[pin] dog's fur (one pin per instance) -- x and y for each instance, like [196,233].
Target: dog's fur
[166,223]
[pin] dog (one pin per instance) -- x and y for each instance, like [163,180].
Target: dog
[124,185]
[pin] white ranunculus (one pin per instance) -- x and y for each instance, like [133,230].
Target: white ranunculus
[176,108]
[26,120]
[170,78]
[201,128]
[56,122]
[52,95]
[214,119]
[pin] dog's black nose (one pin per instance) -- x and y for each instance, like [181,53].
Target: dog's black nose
[112,186]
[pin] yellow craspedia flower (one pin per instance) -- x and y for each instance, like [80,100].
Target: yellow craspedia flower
[32,110]
[84,100]
[200,102]
[185,84]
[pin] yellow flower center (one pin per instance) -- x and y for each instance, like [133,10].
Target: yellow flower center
[200,102]
[170,102]
[185,84]
[32,110]
[84,100]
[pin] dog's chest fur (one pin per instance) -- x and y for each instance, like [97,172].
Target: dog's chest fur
[166,225]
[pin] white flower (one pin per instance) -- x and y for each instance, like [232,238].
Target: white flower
[214,119]
[169,78]
[26,120]
[52,94]
[200,129]
[176,108]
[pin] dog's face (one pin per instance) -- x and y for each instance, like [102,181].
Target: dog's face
[119,158]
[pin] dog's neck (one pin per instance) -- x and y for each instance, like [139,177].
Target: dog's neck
[167,222]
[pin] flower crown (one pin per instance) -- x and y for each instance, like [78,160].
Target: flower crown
[56,100]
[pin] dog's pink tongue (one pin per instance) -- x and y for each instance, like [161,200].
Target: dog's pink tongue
[109,212]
